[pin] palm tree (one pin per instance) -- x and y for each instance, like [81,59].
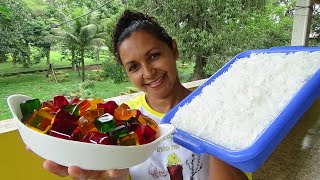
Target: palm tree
[81,32]
[89,37]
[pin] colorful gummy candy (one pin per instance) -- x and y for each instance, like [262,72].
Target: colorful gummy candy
[91,121]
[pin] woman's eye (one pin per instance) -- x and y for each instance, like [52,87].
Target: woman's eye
[154,56]
[132,68]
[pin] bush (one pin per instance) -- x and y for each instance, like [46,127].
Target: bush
[96,75]
[85,90]
[184,75]
[185,71]
[114,71]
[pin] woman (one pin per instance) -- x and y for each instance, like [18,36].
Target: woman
[149,57]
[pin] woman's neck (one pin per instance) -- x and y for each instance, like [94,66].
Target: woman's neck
[165,104]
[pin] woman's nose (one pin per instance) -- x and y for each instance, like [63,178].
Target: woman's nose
[148,71]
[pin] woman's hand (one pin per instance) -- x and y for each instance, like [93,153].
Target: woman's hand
[80,174]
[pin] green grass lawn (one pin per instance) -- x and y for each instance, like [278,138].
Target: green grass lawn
[38,86]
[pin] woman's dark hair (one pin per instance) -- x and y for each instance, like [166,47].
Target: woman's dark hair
[131,22]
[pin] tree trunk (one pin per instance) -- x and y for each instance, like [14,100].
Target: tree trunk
[27,55]
[73,60]
[82,62]
[3,57]
[198,72]
[47,50]
[26,60]
[98,54]
[78,68]
[14,60]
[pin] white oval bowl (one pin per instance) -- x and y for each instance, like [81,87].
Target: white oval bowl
[84,155]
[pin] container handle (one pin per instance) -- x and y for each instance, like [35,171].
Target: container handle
[188,142]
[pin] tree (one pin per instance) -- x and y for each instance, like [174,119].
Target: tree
[258,30]
[42,36]
[13,36]
[5,14]
[81,32]
[315,26]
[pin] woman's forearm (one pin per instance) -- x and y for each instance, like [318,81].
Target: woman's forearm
[220,170]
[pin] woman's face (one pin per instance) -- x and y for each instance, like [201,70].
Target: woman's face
[150,63]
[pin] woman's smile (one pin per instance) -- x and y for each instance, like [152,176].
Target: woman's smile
[156,83]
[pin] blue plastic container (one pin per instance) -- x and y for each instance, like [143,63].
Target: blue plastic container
[251,158]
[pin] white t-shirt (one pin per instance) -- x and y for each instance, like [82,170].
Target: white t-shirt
[169,160]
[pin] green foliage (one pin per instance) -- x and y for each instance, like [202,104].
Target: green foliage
[13,30]
[85,90]
[87,85]
[5,12]
[36,55]
[215,62]
[20,31]
[96,75]
[81,33]
[185,71]
[36,5]
[315,26]
[114,71]
[110,14]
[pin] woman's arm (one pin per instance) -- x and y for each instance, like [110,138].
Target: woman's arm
[220,170]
